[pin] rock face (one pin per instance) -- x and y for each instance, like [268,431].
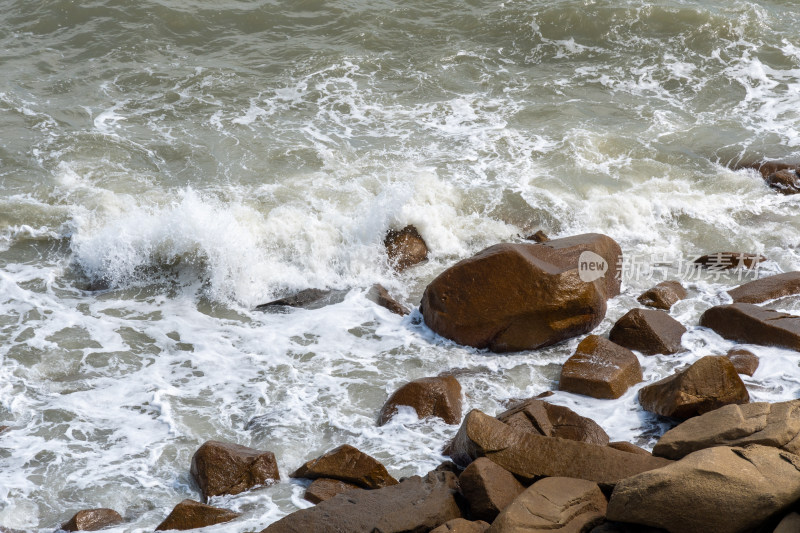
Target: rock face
[378,294]
[729,260]
[322,489]
[225,468]
[405,248]
[767,424]
[512,297]
[554,503]
[542,418]
[764,289]
[461,525]
[724,490]
[528,455]
[744,361]
[92,520]
[753,324]
[488,488]
[708,384]
[648,331]
[348,464]
[663,296]
[190,515]
[436,396]
[416,504]
[600,368]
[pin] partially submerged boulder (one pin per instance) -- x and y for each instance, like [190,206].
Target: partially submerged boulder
[778,175]
[543,418]
[306,299]
[664,295]
[348,464]
[405,248]
[488,488]
[190,514]
[225,468]
[92,520]
[648,331]
[600,368]
[769,288]
[378,294]
[322,489]
[729,261]
[539,236]
[430,397]
[753,324]
[744,361]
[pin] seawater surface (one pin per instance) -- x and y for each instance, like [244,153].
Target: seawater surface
[191,160]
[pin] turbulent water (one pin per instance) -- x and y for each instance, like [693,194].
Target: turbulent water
[194,159]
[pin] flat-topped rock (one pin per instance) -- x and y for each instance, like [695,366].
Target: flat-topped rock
[752,324]
[769,288]
[648,331]
[543,418]
[600,368]
[663,296]
[347,464]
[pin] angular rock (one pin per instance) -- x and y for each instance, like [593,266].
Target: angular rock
[628,447]
[752,324]
[92,520]
[664,295]
[542,418]
[528,455]
[767,424]
[405,248]
[648,331]
[488,488]
[378,294]
[708,384]
[554,503]
[461,525]
[744,361]
[600,369]
[225,468]
[306,299]
[430,397]
[416,504]
[348,464]
[721,489]
[322,489]
[789,524]
[539,236]
[769,288]
[190,514]
[513,297]
[729,261]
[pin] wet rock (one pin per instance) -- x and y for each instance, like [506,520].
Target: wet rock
[752,324]
[306,299]
[769,288]
[528,455]
[92,520]
[542,418]
[789,524]
[512,297]
[767,424]
[729,261]
[378,294]
[707,384]
[539,236]
[448,466]
[430,397]
[488,488]
[765,168]
[663,296]
[322,489]
[3,428]
[416,504]
[744,361]
[190,514]
[600,369]
[721,489]
[348,464]
[628,447]
[461,525]
[405,248]
[648,331]
[554,503]
[225,468]
[784,181]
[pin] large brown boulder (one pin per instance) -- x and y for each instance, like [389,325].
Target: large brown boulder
[744,361]
[664,295]
[753,324]
[529,455]
[708,384]
[92,520]
[764,289]
[542,418]
[378,294]
[512,297]
[437,396]
[225,468]
[415,505]
[600,368]
[554,503]
[721,489]
[648,331]
[322,489]
[462,525]
[348,464]
[191,514]
[405,248]
[488,488]
[768,424]
[729,261]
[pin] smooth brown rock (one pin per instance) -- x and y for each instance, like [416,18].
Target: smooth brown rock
[405,248]
[348,464]
[769,288]
[225,468]
[190,514]
[753,324]
[628,447]
[539,236]
[708,384]
[322,489]
[767,424]
[488,488]
[721,489]
[542,418]
[513,297]
[556,503]
[729,260]
[92,520]
[744,361]
[789,524]
[529,455]
[430,397]
[600,369]
[378,294]
[664,295]
[461,525]
[415,505]
[648,331]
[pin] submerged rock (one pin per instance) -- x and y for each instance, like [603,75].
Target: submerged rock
[430,397]
[378,294]
[769,288]
[190,514]
[306,299]
[754,325]
[405,248]
[600,368]
[225,468]
[542,418]
[780,176]
[744,361]
[663,296]
[539,236]
[648,331]
[92,520]
[488,488]
[348,464]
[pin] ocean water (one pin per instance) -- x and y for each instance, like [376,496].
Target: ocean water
[192,160]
